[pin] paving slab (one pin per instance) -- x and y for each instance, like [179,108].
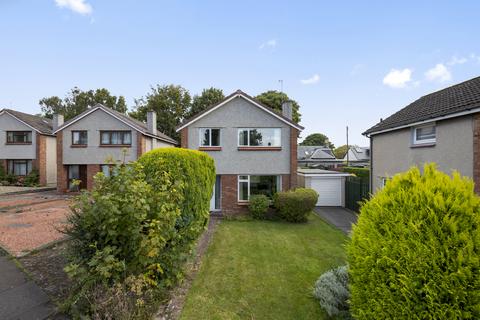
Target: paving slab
[340,217]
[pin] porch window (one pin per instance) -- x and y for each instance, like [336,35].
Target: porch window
[210,137]
[19,137]
[80,138]
[19,167]
[256,184]
[115,138]
[259,137]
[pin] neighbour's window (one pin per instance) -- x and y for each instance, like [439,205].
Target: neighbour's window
[19,167]
[109,170]
[253,185]
[79,137]
[209,137]
[115,138]
[259,137]
[20,137]
[424,134]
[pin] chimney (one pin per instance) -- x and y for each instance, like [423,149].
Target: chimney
[57,121]
[152,122]
[287,109]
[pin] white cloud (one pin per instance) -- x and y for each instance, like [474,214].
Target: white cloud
[272,43]
[398,78]
[438,73]
[78,6]
[456,60]
[313,79]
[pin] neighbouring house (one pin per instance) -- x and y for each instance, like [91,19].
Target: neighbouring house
[357,156]
[317,157]
[441,127]
[254,148]
[88,143]
[26,143]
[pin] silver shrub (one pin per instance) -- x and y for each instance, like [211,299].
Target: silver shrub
[331,290]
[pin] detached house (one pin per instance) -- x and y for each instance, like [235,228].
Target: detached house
[27,143]
[254,148]
[442,127]
[87,143]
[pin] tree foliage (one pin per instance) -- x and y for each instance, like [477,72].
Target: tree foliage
[274,100]
[341,151]
[170,102]
[207,98]
[77,101]
[317,139]
[415,251]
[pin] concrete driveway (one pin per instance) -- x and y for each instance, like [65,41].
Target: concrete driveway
[339,217]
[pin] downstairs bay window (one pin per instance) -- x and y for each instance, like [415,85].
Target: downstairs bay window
[253,185]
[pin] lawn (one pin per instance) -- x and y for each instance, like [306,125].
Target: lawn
[264,270]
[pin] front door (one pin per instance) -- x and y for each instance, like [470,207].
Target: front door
[215,200]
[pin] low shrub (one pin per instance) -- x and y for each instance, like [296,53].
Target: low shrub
[415,251]
[331,290]
[295,205]
[11,179]
[359,172]
[258,206]
[3,173]
[32,179]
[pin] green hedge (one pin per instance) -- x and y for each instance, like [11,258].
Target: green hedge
[258,206]
[415,251]
[135,229]
[359,172]
[295,205]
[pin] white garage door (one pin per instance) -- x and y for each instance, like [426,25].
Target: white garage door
[329,190]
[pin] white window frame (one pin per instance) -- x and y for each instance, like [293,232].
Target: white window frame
[200,137]
[248,140]
[279,184]
[424,141]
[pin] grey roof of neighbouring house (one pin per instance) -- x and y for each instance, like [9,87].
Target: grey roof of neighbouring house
[315,153]
[360,153]
[461,97]
[136,124]
[41,124]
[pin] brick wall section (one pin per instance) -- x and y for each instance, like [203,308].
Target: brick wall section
[476,152]
[141,144]
[230,196]
[61,169]
[40,163]
[92,170]
[184,138]
[293,157]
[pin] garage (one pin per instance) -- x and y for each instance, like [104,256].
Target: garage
[330,185]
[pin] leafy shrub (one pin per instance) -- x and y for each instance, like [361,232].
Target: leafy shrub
[3,173]
[295,205]
[415,251]
[359,172]
[32,179]
[258,206]
[331,289]
[137,223]
[11,179]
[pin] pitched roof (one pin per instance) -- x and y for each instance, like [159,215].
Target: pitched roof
[134,123]
[40,124]
[360,153]
[462,97]
[315,153]
[239,93]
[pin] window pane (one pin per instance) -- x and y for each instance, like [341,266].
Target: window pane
[127,138]
[243,137]
[73,172]
[116,138]
[266,185]
[83,137]
[245,178]
[105,138]
[426,133]
[271,137]
[205,136]
[255,137]
[215,137]
[105,170]
[243,190]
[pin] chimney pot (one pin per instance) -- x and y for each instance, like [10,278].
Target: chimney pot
[287,107]
[57,121]
[152,122]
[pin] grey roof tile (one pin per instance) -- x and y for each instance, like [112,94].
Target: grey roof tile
[43,125]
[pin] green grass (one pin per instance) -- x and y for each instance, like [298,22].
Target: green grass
[264,270]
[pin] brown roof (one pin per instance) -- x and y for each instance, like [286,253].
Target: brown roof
[461,97]
[198,115]
[41,124]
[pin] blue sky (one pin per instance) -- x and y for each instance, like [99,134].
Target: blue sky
[346,62]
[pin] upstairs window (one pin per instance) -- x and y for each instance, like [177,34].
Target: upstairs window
[80,138]
[209,137]
[19,137]
[424,134]
[259,137]
[116,138]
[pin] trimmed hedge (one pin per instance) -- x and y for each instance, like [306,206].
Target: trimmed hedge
[415,251]
[359,172]
[295,205]
[258,206]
